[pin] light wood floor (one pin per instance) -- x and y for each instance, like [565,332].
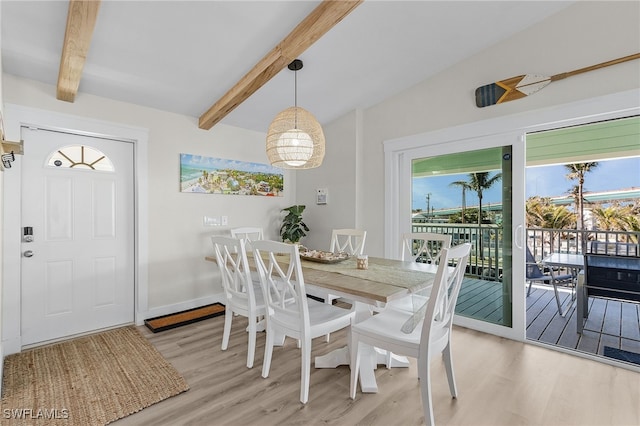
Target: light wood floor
[500,382]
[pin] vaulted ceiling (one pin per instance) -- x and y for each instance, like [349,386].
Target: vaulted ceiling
[184,56]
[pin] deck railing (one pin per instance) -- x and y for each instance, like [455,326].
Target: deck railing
[487,242]
[543,241]
[486,245]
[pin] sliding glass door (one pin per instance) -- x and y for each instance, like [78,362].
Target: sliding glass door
[496,145]
[465,188]
[468,195]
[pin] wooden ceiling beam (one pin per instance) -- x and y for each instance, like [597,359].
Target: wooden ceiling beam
[315,25]
[81,20]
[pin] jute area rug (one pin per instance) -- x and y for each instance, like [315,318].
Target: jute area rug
[91,380]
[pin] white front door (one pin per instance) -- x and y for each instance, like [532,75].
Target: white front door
[77,273]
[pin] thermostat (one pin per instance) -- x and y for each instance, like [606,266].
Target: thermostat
[321,195]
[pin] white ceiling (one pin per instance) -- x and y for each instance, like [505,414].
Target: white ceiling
[182,56]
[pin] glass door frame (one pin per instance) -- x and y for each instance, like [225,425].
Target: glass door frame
[434,147]
[496,132]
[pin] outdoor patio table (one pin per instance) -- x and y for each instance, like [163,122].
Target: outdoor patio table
[572,261]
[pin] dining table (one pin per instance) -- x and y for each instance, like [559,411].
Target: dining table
[383,282]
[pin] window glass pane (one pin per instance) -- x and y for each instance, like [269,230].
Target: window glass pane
[468,195]
[582,197]
[80,157]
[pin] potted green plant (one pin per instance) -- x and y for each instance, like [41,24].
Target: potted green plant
[293,228]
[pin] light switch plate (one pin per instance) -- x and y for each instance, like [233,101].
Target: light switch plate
[211,221]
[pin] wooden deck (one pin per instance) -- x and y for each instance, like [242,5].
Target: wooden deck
[610,323]
[481,300]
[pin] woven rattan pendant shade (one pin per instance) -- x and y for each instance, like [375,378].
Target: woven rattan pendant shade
[295,139]
[291,146]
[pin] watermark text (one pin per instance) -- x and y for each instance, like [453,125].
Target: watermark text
[35,413]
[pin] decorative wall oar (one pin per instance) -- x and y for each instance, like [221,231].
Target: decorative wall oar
[525,85]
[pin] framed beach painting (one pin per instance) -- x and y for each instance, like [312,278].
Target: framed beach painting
[210,175]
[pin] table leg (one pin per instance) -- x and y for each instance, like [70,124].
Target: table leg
[259,326]
[340,356]
[370,357]
[334,358]
[581,306]
[390,359]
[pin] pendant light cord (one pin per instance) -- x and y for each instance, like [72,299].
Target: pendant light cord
[295,97]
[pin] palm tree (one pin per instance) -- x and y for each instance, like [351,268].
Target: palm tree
[577,171]
[541,213]
[618,218]
[632,220]
[480,182]
[464,185]
[632,223]
[608,218]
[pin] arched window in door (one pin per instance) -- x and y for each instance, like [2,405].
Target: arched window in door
[80,157]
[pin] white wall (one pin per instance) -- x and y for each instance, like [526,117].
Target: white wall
[581,35]
[338,175]
[584,34]
[1,221]
[178,275]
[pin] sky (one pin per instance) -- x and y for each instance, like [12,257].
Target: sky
[545,181]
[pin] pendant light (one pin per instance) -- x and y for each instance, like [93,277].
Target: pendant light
[295,139]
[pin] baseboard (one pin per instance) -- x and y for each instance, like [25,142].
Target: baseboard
[1,366]
[11,346]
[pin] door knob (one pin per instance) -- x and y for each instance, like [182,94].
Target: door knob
[28,253]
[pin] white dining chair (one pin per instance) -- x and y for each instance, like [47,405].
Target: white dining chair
[289,311]
[424,247]
[249,234]
[411,335]
[350,241]
[243,296]
[346,240]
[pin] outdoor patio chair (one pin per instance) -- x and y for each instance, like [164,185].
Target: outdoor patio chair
[535,274]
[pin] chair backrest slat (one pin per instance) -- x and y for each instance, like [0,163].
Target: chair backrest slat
[231,257]
[248,234]
[424,247]
[438,318]
[282,283]
[350,241]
